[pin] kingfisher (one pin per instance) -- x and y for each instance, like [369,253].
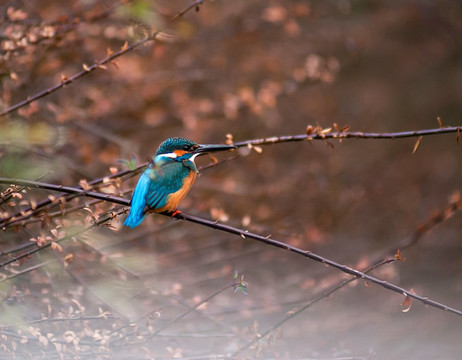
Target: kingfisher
[168,178]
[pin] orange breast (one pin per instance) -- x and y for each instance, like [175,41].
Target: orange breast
[175,198]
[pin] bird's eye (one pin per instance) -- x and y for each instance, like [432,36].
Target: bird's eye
[186,147]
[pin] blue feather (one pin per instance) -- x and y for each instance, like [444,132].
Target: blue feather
[138,203]
[162,178]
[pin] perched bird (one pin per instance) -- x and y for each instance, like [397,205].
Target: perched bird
[168,178]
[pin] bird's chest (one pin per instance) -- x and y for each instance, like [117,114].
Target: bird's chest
[174,198]
[174,180]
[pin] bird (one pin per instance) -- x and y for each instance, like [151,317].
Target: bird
[168,178]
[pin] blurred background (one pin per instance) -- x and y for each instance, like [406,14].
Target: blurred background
[246,69]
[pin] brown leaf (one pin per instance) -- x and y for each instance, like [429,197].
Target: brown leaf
[440,122]
[407,303]
[309,130]
[69,258]
[84,184]
[399,256]
[57,247]
[417,143]
[229,139]
[258,149]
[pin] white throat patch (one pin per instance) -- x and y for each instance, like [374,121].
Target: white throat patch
[193,157]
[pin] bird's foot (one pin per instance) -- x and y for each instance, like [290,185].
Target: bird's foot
[175,213]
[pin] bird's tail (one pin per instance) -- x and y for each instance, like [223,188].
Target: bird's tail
[138,203]
[133,219]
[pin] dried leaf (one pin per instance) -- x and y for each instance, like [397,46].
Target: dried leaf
[86,67]
[417,143]
[84,185]
[309,130]
[229,139]
[399,256]
[407,303]
[124,46]
[16,195]
[33,204]
[56,246]
[258,149]
[69,258]
[440,122]
[43,340]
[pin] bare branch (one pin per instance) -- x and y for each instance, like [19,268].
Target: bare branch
[327,134]
[226,228]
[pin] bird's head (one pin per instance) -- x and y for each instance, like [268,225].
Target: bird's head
[183,149]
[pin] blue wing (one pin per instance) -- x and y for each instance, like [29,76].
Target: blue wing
[138,203]
[166,179]
[153,189]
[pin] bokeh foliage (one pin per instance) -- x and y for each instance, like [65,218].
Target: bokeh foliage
[251,69]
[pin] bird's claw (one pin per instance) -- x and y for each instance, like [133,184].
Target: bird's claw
[175,213]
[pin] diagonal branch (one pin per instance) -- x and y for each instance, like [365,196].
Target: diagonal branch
[455,204]
[315,257]
[229,229]
[293,313]
[98,64]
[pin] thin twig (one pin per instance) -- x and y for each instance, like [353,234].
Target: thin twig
[292,314]
[320,135]
[98,64]
[318,258]
[25,271]
[182,315]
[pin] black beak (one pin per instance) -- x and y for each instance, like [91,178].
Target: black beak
[213,148]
